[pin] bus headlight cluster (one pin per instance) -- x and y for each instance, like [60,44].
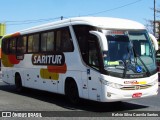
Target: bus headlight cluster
[153,83]
[110,84]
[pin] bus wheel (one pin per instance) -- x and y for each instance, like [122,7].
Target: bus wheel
[18,83]
[71,92]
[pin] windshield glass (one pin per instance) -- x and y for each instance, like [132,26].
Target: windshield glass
[130,53]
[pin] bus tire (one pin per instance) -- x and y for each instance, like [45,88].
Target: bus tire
[18,83]
[71,91]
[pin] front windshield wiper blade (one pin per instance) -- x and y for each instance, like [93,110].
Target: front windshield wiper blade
[136,55]
[125,69]
[126,63]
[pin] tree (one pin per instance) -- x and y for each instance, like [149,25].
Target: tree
[150,23]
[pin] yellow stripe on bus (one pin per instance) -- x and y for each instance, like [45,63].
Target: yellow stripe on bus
[45,74]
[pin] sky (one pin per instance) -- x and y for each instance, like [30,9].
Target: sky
[22,14]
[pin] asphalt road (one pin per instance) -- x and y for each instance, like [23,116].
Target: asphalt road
[58,106]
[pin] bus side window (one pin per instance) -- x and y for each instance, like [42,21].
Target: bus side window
[36,43]
[58,41]
[33,43]
[50,41]
[5,46]
[47,41]
[30,40]
[24,44]
[93,52]
[43,42]
[64,41]
[12,45]
[21,44]
[82,35]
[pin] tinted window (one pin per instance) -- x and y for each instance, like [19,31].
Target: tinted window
[21,44]
[88,45]
[33,43]
[12,45]
[64,41]
[47,41]
[93,52]
[5,45]
[82,34]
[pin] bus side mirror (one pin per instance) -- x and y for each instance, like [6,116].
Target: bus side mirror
[154,40]
[102,39]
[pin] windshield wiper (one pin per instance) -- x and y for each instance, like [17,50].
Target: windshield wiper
[125,70]
[137,56]
[127,64]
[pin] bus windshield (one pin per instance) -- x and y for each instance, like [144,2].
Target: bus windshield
[130,54]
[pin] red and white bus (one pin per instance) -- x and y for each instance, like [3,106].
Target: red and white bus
[96,58]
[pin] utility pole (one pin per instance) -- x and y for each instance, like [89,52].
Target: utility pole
[154,23]
[61,17]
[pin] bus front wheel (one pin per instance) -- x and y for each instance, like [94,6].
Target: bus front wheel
[71,92]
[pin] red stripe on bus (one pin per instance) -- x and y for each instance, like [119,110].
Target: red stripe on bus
[57,69]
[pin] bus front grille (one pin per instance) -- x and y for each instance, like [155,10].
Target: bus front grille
[136,87]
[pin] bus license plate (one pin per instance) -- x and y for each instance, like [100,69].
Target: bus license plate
[136,95]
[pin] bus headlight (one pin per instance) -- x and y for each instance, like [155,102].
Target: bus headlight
[153,83]
[110,84]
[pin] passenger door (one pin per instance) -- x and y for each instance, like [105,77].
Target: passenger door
[90,78]
[93,71]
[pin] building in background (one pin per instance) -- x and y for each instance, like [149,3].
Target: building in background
[2,32]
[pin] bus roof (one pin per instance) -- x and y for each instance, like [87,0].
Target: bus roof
[101,22]
[108,22]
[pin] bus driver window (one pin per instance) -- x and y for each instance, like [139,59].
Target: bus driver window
[66,41]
